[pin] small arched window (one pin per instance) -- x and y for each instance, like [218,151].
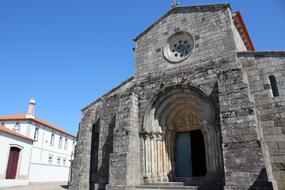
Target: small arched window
[274,85]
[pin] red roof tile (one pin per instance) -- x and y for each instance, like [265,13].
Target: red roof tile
[238,21]
[26,117]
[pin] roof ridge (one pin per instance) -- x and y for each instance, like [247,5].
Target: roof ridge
[177,9]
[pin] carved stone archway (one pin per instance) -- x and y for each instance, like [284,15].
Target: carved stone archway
[179,109]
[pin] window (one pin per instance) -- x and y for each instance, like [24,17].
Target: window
[73,145]
[58,160]
[50,158]
[60,142]
[17,127]
[179,46]
[64,161]
[52,139]
[65,144]
[36,134]
[274,85]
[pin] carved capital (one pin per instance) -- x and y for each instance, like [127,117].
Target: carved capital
[144,134]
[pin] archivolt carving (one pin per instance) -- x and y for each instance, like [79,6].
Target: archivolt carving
[174,110]
[186,121]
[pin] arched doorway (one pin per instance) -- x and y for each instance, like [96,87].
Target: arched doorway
[180,138]
[190,158]
[13,163]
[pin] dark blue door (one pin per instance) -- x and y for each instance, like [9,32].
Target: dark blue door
[183,156]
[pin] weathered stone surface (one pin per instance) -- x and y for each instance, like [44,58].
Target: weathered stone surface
[127,138]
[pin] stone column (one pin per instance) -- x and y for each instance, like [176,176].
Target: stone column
[148,156]
[144,154]
[164,159]
[152,162]
[145,137]
[160,161]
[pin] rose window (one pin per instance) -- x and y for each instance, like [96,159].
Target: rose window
[178,47]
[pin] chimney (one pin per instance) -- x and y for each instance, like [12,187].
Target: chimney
[31,108]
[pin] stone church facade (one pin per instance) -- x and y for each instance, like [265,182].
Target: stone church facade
[204,110]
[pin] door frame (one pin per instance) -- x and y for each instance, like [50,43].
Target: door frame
[19,159]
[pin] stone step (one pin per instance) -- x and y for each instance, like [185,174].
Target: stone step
[175,186]
[166,184]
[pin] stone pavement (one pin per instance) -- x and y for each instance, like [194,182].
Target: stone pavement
[42,186]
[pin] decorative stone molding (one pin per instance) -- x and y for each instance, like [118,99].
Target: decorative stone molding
[178,47]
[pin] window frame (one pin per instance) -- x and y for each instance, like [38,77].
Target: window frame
[274,86]
[65,143]
[52,139]
[50,158]
[58,160]
[60,142]
[36,133]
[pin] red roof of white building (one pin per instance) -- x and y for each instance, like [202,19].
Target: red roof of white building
[27,117]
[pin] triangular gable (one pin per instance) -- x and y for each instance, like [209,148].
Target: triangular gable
[177,9]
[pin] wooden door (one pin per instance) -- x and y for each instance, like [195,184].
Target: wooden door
[183,161]
[13,163]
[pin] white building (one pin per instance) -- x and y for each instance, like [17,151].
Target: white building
[33,149]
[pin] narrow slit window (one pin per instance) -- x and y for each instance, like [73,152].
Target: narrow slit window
[65,144]
[52,139]
[274,85]
[60,142]
[36,134]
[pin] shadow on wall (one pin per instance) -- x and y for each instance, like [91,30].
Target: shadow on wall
[93,175]
[64,186]
[102,174]
[206,182]
[261,181]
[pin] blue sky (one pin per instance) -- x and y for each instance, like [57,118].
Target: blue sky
[67,53]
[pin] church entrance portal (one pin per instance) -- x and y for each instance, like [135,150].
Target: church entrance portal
[180,139]
[190,159]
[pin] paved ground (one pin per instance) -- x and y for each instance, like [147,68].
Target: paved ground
[46,186]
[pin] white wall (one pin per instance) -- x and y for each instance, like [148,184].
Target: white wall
[42,147]
[41,150]
[25,127]
[6,141]
[48,173]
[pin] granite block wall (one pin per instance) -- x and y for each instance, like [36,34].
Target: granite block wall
[211,26]
[259,66]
